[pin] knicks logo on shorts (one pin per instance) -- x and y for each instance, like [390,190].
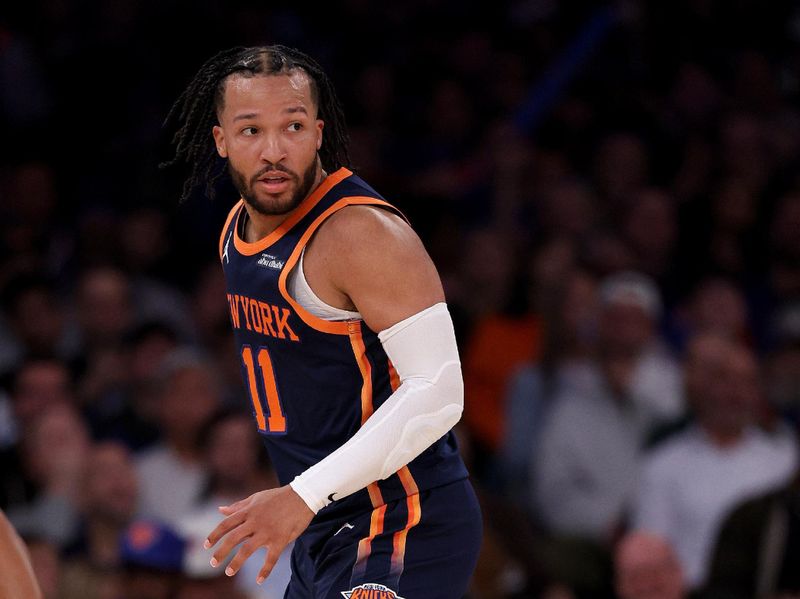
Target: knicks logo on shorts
[370,591]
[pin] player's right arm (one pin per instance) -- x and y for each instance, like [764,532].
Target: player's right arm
[17,580]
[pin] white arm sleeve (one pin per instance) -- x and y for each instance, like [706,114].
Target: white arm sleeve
[426,405]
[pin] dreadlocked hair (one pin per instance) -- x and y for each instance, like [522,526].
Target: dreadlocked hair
[195,110]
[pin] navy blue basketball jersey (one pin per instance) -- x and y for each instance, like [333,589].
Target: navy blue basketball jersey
[313,382]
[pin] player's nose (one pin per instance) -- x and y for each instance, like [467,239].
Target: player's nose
[273,150]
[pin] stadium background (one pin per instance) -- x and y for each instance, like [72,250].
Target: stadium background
[537,146]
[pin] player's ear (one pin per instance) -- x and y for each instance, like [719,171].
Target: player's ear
[320,126]
[219,140]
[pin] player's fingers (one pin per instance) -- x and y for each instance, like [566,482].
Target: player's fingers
[223,528]
[234,507]
[269,563]
[246,550]
[231,540]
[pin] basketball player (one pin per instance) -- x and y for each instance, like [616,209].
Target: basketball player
[346,344]
[17,580]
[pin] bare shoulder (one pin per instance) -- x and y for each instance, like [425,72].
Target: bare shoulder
[374,258]
[365,224]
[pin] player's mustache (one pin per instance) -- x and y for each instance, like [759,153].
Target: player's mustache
[272,167]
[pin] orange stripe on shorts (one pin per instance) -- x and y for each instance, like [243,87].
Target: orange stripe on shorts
[365,545]
[414,515]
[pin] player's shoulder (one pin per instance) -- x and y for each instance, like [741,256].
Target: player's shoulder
[365,225]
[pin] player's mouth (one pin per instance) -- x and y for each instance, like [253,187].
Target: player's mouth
[274,182]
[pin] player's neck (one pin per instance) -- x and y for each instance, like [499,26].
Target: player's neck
[257,225]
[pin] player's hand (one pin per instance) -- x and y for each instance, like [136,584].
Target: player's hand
[272,519]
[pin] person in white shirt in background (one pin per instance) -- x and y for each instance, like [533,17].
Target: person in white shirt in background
[189,394]
[237,467]
[584,465]
[690,482]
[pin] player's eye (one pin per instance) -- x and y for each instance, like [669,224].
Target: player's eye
[295,127]
[249,131]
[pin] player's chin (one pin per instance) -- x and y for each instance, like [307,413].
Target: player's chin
[276,203]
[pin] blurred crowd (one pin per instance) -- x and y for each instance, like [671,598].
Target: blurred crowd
[610,193]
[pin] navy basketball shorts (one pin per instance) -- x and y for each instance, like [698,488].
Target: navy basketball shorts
[420,547]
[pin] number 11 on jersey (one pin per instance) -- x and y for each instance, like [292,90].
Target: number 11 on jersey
[275,422]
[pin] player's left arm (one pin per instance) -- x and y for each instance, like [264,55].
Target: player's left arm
[389,278]
[371,260]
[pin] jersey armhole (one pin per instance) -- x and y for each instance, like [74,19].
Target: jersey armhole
[336,327]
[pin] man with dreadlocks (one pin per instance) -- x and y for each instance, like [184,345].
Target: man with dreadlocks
[347,346]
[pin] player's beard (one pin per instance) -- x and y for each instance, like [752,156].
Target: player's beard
[274,206]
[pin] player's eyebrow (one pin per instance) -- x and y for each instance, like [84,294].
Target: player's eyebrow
[252,115]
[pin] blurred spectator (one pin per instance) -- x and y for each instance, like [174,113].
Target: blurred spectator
[152,561]
[172,473]
[108,505]
[567,210]
[650,231]
[568,343]
[30,234]
[36,325]
[692,480]
[235,461]
[200,587]
[744,151]
[631,309]
[145,256]
[717,306]
[620,168]
[607,253]
[785,247]
[54,453]
[105,308]
[590,443]
[500,340]
[782,377]
[47,566]
[646,567]
[731,240]
[38,386]
[211,317]
[105,311]
[758,548]
[128,411]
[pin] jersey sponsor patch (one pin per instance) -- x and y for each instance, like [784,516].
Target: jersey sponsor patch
[370,590]
[270,261]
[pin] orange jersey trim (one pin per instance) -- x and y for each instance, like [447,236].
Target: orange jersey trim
[250,249]
[360,352]
[394,378]
[228,220]
[367,406]
[315,322]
